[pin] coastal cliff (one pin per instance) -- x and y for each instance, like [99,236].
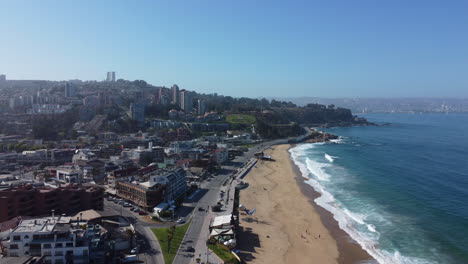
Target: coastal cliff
[281,122]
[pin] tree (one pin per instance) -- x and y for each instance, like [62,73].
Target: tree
[53,127]
[170,236]
[140,83]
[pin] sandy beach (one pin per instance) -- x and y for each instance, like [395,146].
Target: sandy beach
[286,227]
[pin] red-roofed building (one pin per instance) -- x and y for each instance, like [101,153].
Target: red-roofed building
[121,175]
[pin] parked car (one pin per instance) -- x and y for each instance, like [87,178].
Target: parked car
[190,249]
[134,250]
[180,221]
[142,213]
[216,208]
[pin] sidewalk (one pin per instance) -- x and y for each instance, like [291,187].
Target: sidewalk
[201,250]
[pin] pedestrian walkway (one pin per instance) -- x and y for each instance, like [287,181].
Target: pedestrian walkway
[201,250]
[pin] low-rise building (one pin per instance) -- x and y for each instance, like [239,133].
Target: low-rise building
[179,146]
[69,174]
[220,155]
[83,155]
[45,156]
[55,238]
[115,176]
[146,195]
[158,154]
[28,200]
[165,124]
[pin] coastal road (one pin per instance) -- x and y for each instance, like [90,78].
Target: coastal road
[197,233]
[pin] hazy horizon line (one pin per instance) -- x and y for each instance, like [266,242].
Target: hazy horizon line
[260,97]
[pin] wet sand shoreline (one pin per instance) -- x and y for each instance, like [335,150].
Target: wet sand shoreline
[288,227]
[350,252]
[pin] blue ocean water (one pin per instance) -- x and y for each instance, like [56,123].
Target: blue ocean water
[400,190]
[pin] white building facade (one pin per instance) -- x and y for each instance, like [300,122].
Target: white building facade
[52,237]
[175,181]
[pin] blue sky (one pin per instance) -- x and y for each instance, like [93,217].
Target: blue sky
[359,48]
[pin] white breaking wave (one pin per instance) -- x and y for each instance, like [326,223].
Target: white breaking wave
[317,169]
[347,220]
[371,228]
[337,141]
[330,158]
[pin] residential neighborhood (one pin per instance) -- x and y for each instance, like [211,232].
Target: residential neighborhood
[103,188]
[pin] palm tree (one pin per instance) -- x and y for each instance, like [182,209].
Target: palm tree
[170,236]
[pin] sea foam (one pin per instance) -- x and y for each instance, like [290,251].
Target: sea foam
[353,223]
[317,169]
[329,158]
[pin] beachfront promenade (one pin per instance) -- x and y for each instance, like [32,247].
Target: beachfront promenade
[198,231]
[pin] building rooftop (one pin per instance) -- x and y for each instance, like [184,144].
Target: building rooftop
[45,224]
[144,186]
[92,214]
[221,220]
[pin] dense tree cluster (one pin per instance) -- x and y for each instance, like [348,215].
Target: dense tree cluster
[159,110]
[55,127]
[268,130]
[316,114]
[219,103]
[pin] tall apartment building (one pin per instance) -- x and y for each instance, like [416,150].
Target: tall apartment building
[186,101]
[175,94]
[27,200]
[164,100]
[137,113]
[70,90]
[2,77]
[201,107]
[110,77]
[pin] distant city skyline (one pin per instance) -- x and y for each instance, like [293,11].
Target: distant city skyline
[244,49]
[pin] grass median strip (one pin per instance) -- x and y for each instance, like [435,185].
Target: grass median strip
[223,253]
[169,249]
